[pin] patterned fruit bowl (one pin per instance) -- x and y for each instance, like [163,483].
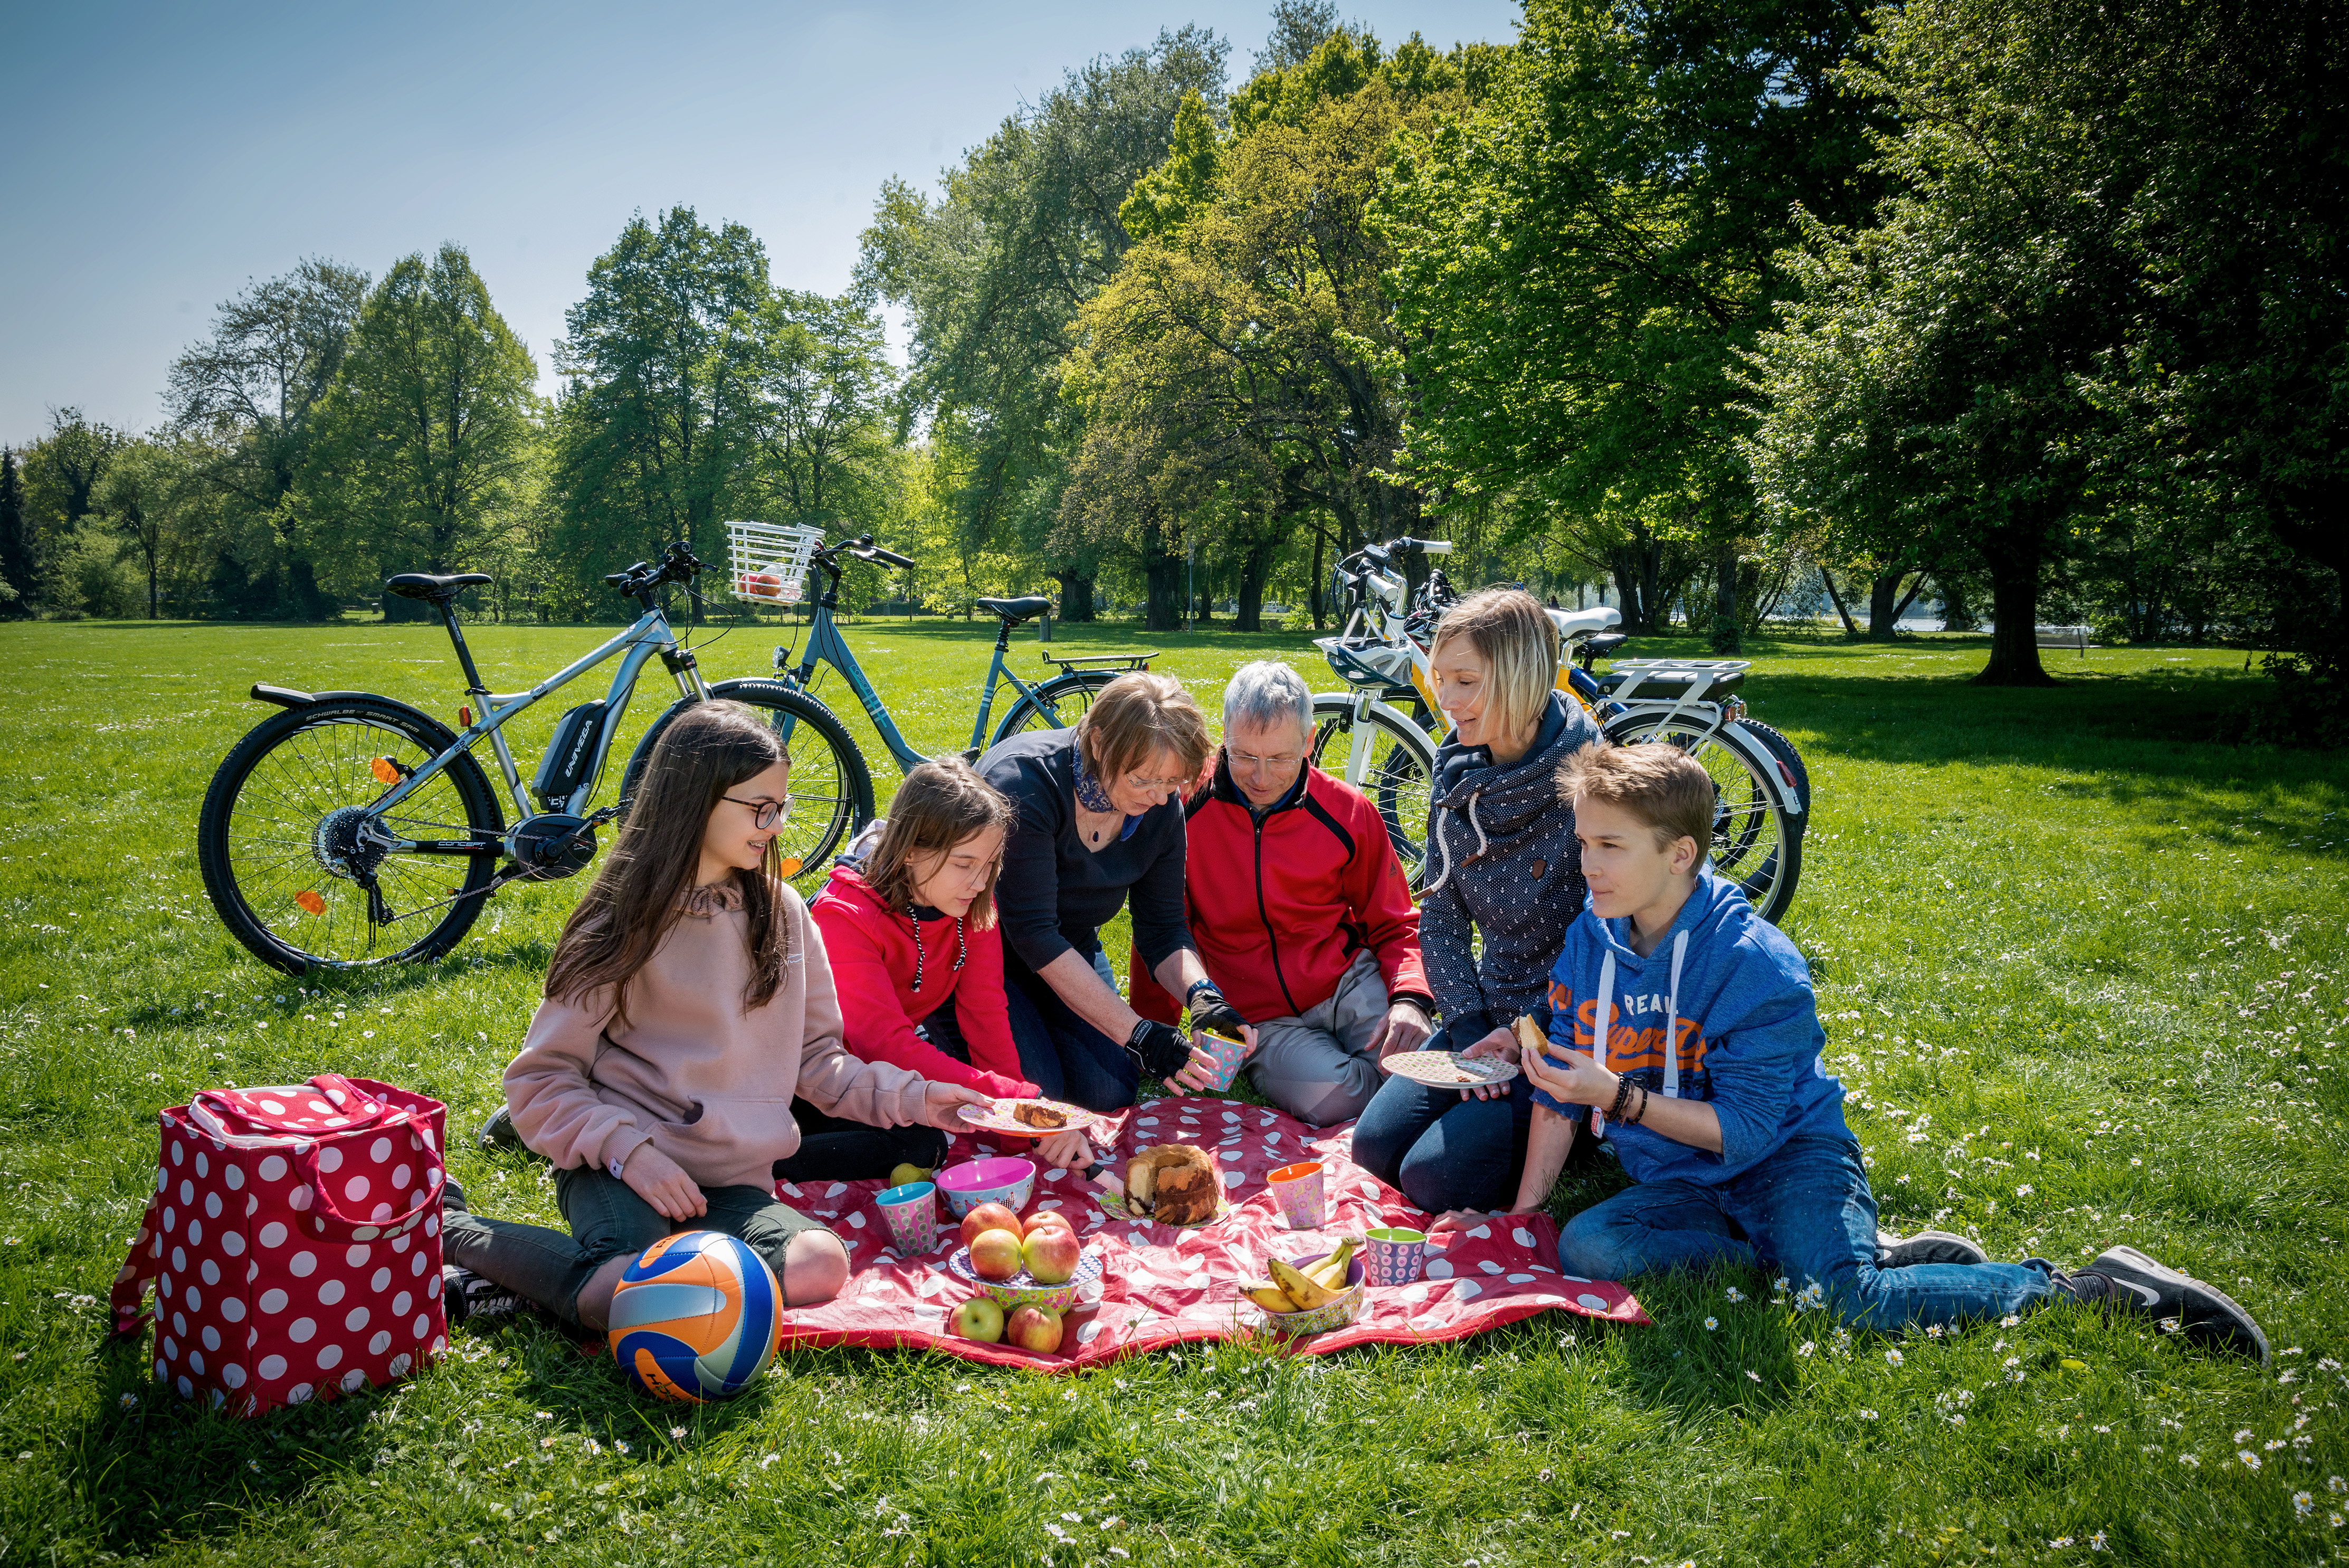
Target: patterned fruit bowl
[1329,1314]
[1023,1289]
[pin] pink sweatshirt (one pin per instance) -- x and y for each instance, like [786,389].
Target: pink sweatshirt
[693,1072]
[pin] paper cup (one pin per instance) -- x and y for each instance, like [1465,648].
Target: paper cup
[1395,1257]
[1298,1191]
[912,1212]
[1227,1055]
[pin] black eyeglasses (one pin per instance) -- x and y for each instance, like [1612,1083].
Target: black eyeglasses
[764,814]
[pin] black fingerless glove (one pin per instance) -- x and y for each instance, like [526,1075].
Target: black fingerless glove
[1160,1048]
[1211,1013]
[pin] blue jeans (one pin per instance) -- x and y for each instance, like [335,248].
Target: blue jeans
[1441,1151]
[1807,1211]
[1064,1056]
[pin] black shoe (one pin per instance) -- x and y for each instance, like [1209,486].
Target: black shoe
[498,1131]
[1925,1247]
[471,1298]
[2123,1276]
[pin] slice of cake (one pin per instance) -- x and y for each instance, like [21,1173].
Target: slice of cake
[1028,1114]
[1174,1183]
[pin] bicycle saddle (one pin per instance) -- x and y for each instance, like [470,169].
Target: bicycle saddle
[435,589]
[1017,610]
[1570,622]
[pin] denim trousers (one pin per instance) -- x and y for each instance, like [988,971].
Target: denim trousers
[1805,1211]
[607,1220]
[1441,1151]
[1064,1056]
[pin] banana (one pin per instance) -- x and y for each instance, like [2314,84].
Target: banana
[1306,1292]
[1332,1272]
[1267,1295]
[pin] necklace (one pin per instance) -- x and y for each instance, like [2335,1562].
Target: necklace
[962,953]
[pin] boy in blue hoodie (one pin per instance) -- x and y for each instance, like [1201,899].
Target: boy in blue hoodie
[1734,1132]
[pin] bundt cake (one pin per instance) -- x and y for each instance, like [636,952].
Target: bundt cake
[1174,1183]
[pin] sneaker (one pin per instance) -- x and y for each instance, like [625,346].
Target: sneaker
[1925,1247]
[498,1131]
[469,1298]
[2123,1276]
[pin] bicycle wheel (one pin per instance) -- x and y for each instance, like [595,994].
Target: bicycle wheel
[281,838]
[831,791]
[1756,842]
[1795,771]
[1395,766]
[1067,698]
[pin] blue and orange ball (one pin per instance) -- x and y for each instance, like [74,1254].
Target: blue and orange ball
[696,1317]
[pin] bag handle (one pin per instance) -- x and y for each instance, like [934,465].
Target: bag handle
[329,1083]
[305,1165]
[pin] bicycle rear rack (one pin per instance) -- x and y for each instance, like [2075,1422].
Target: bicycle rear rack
[1129,661]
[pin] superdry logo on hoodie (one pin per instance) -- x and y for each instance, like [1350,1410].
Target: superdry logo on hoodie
[1635,1038]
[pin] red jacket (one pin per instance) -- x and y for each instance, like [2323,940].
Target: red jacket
[871,950]
[1280,905]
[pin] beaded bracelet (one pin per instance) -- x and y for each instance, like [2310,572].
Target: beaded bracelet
[1636,1117]
[1622,1094]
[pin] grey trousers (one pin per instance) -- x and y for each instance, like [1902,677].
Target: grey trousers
[1316,1065]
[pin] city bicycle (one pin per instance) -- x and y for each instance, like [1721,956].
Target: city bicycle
[1381,734]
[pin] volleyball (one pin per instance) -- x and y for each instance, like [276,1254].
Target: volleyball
[696,1317]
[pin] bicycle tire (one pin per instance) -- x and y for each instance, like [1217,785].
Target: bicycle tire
[1071,695]
[1756,842]
[1399,778]
[831,789]
[262,835]
[1778,742]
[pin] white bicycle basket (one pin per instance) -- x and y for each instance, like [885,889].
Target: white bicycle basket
[767,562]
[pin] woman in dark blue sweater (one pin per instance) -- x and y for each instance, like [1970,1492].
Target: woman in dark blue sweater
[1503,866]
[1100,820]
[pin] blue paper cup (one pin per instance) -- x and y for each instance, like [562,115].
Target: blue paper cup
[1227,1055]
[912,1212]
[1393,1256]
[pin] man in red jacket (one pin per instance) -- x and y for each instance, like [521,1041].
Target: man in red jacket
[1299,909]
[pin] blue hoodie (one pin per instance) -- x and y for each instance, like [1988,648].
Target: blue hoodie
[1748,1028]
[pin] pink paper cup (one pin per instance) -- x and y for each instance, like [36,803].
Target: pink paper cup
[1227,1055]
[1298,1191]
[1393,1256]
[912,1212]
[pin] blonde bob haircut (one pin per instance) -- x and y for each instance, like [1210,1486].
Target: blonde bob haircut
[1519,643]
[1137,715]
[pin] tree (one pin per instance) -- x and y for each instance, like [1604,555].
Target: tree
[16,540]
[657,370]
[425,429]
[991,272]
[816,422]
[1579,261]
[63,471]
[250,392]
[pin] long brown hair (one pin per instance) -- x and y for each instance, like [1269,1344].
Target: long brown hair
[639,894]
[942,802]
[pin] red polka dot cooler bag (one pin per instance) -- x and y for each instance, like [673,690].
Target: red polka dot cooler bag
[294,1241]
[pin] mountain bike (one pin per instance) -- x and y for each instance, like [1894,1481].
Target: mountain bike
[771,566]
[1391,724]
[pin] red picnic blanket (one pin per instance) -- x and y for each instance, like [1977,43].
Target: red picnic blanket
[1161,1285]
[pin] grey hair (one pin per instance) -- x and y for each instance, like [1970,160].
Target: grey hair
[1262,694]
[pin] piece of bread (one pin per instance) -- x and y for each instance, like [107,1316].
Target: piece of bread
[1529,1034]
[1175,1182]
[1035,1115]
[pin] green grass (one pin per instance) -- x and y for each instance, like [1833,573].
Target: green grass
[2055,933]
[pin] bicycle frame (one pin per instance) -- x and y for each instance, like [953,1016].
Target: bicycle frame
[650,635]
[827,646]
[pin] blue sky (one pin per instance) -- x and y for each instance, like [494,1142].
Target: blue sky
[155,158]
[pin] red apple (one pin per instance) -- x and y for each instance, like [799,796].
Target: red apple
[987,1217]
[980,1318]
[1034,1328]
[995,1254]
[1051,1254]
[1049,1217]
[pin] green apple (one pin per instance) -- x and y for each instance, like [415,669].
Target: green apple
[906,1173]
[980,1318]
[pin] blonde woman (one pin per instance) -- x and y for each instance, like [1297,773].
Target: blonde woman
[1504,872]
[1099,823]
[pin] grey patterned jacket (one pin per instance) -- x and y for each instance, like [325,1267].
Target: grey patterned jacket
[1503,864]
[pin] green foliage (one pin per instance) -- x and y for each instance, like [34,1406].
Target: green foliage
[2082,919]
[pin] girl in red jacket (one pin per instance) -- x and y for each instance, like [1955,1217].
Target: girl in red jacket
[913,929]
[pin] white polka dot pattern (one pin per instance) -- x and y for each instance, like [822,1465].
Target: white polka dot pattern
[293,1242]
